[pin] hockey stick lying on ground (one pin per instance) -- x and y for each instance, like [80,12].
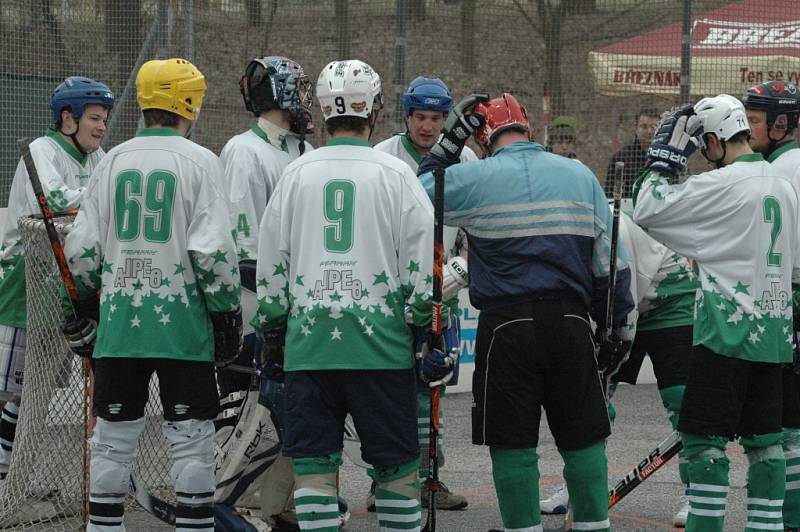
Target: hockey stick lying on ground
[69,283]
[659,456]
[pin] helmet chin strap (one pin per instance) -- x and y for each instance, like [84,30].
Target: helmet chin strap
[716,162]
[772,142]
[74,137]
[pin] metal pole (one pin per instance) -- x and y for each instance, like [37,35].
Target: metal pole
[686,52]
[189,6]
[400,63]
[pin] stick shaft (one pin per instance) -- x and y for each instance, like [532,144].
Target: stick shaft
[612,264]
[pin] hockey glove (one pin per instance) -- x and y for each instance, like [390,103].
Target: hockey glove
[612,352]
[458,127]
[672,144]
[435,366]
[81,334]
[227,336]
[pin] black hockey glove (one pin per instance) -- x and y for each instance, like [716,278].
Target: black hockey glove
[434,365]
[81,334]
[227,336]
[270,348]
[460,124]
[612,352]
[672,144]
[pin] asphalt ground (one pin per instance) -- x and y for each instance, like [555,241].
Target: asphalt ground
[640,425]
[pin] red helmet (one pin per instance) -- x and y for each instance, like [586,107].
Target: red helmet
[501,114]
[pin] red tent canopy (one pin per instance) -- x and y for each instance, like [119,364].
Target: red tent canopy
[732,48]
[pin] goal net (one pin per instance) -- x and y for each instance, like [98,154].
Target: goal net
[45,486]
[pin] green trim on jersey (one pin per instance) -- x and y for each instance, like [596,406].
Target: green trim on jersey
[260,133]
[158,132]
[783,148]
[410,148]
[723,327]
[348,141]
[67,147]
[13,303]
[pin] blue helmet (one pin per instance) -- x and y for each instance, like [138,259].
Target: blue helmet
[75,93]
[427,94]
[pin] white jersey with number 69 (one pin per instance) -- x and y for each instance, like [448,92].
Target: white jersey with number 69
[153,236]
[740,224]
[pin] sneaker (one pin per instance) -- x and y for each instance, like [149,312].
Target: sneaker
[371,498]
[557,503]
[683,512]
[445,499]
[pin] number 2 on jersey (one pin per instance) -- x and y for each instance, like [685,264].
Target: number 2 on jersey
[772,215]
[159,197]
[339,197]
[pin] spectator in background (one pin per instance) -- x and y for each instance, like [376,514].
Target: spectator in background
[562,135]
[633,155]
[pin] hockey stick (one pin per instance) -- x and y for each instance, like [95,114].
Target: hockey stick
[659,456]
[69,282]
[612,266]
[436,340]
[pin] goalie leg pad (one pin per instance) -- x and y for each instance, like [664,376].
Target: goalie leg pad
[12,361]
[191,446]
[8,429]
[708,481]
[113,447]
[397,496]
[791,500]
[516,479]
[586,473]
[766,479]
[315,492]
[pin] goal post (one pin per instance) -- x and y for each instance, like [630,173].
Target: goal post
[46,481]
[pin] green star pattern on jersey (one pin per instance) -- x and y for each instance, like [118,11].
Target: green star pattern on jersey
[723,326]
[673,305]
[339,331]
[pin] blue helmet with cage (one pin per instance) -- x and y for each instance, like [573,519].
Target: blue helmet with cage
[427,94]
[75,93]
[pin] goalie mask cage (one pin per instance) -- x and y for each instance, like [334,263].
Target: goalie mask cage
[44,489]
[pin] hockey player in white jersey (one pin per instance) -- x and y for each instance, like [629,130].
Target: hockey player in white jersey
[65,158]
[279,94]
[426,103]
[344,246]
[153,237]
[772,109]
[739,224]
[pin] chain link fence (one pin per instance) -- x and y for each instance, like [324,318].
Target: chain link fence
[595,62]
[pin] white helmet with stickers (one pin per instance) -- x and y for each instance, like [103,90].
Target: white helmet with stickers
[349,88]
[722,115]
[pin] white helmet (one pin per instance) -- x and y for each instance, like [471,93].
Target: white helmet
[722,115]
[349,88]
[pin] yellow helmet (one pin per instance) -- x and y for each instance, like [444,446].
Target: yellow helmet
[173,85]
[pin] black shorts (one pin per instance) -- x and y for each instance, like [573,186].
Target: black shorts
[730,397]
[669,350]
[383,404]
[791,398]
[187,389]
[534,355]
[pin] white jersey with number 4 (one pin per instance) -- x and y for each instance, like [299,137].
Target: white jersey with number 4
[153,236]
[253,162]
[64,173]
[345,244]
[740,224]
